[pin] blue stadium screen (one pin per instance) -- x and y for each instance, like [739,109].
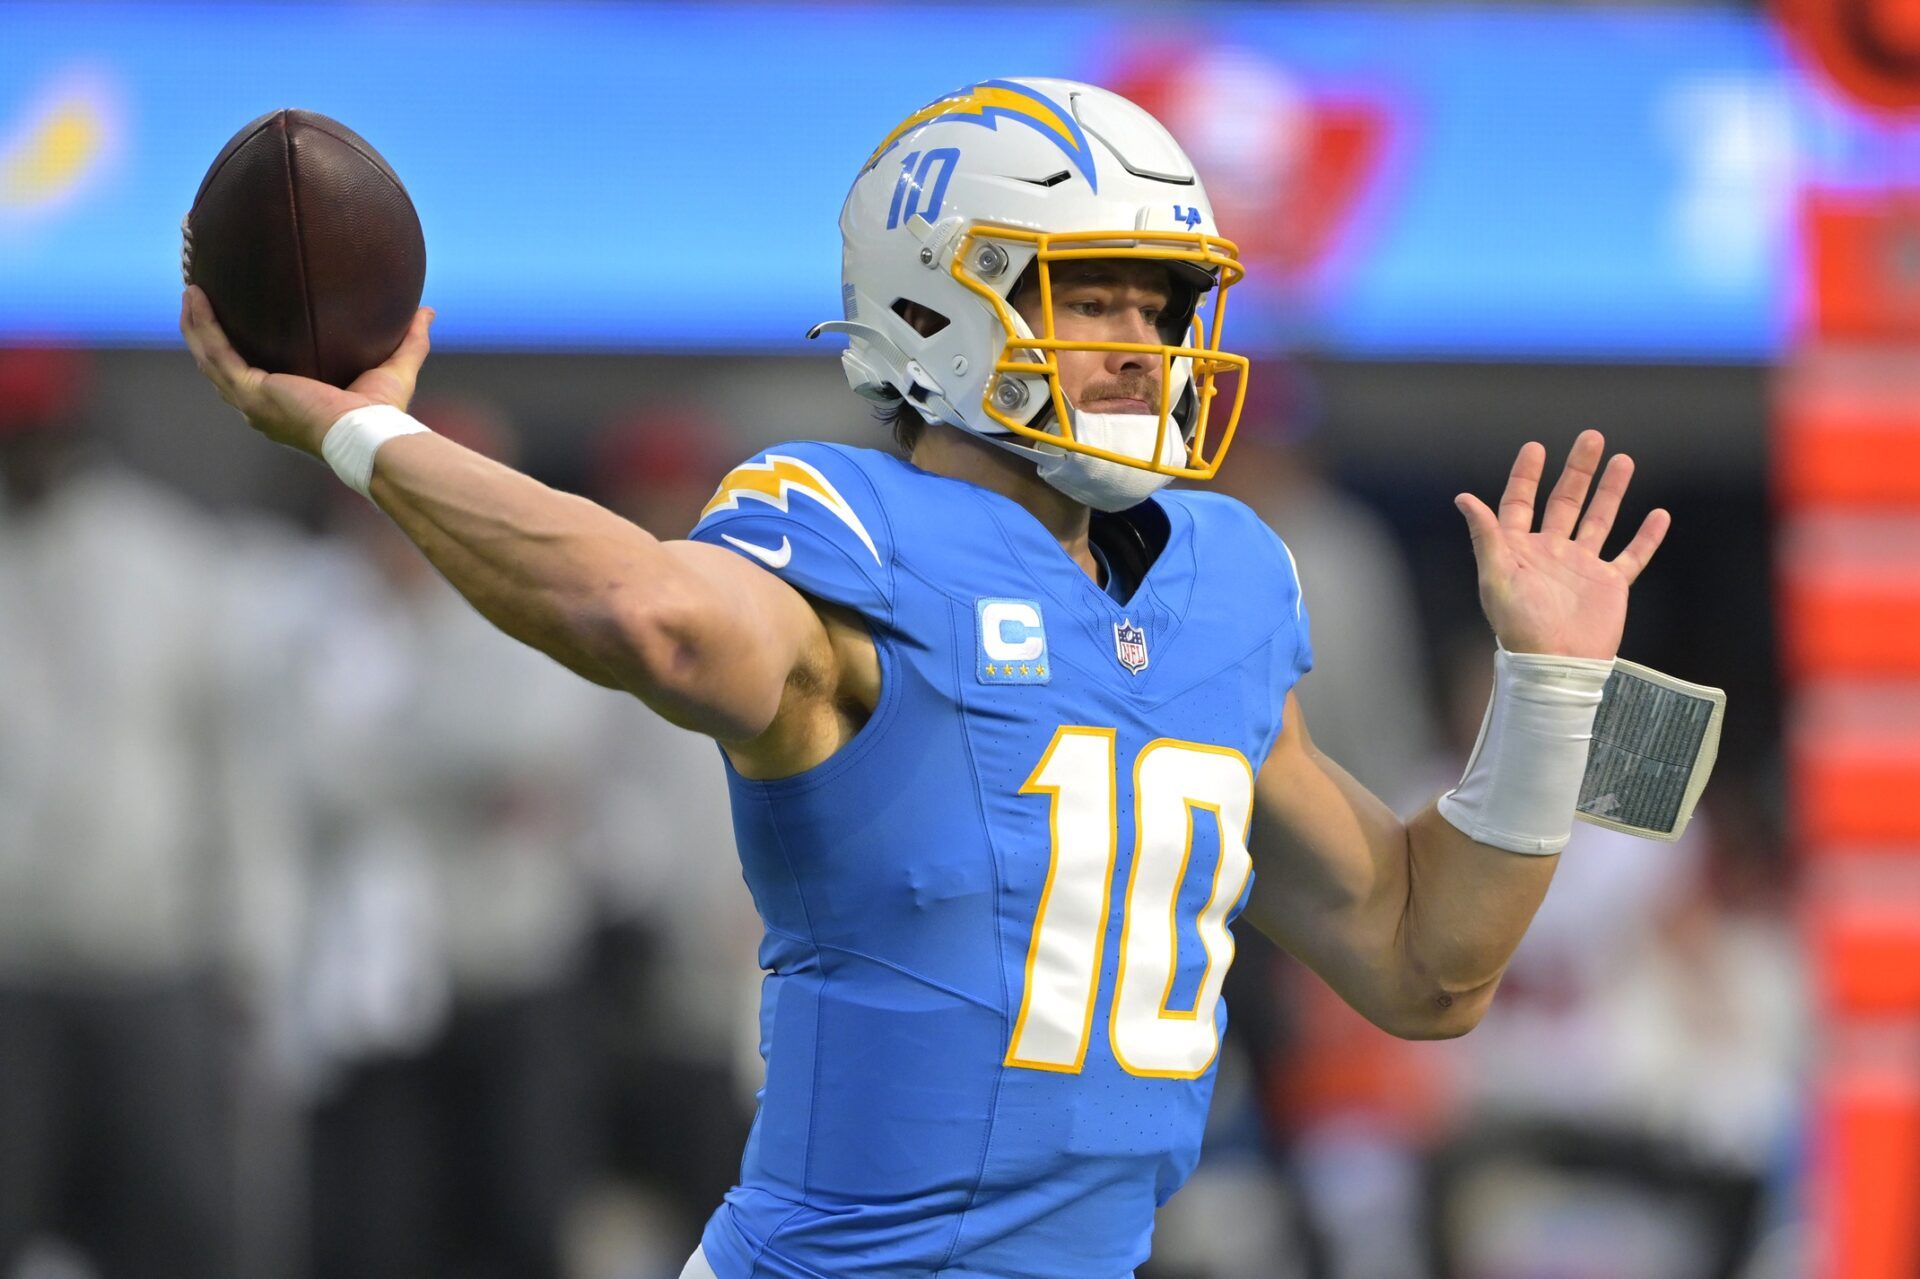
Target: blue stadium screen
[1404,182]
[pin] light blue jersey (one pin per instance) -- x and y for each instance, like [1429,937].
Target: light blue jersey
[997,918]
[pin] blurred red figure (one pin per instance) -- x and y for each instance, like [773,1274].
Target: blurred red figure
[659,467]
[42,393]
[1288,167]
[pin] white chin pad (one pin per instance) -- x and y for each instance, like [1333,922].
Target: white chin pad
[1113,486]
[1131,435]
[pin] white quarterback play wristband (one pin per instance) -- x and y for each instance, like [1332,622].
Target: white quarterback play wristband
[351,442]
[1521,785]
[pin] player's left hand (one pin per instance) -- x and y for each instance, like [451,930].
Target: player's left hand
[1550,592]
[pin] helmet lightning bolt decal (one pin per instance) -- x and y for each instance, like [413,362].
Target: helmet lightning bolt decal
[775,480]
[986,103]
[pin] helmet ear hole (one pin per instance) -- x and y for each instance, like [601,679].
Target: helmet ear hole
[1028,281]
[925,320]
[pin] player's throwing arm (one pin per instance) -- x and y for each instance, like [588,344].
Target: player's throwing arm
[325,296]
[703,637]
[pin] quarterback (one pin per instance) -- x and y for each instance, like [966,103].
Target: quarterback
[996,715]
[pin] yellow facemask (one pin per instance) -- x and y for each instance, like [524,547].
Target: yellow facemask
[1206,441]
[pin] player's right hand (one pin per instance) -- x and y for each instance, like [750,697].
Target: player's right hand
[289,410]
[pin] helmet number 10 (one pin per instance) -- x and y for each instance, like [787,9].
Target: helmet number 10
[1175,786]
[916,172]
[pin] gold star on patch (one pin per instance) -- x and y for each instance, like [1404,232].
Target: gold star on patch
[1026,670]
[990,670]
[1041,671]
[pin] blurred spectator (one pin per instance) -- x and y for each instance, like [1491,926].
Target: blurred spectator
[118,830]
[1367,705]
[1366,700]
[676,973]
[453,774]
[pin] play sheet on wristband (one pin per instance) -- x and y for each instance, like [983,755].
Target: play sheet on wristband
[1654,742]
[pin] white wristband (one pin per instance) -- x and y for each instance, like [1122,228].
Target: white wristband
[1523,781]
[351,442]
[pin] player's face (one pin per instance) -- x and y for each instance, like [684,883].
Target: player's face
[1104,301]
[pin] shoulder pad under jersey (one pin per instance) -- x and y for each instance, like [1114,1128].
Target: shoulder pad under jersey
[809,513]
[1262,565]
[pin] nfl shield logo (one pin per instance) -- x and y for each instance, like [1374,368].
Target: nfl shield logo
[1130,646]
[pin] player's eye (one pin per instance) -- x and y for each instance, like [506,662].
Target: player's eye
[1086,306]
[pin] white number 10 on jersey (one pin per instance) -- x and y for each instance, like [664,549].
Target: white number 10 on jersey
[1174,784]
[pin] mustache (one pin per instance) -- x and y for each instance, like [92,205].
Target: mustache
[1136,386]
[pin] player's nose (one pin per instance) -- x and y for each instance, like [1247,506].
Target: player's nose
[1134,328]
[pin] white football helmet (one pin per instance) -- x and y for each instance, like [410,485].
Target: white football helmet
[959,202]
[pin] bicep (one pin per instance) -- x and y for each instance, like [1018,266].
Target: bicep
[1332,871]
[719,638]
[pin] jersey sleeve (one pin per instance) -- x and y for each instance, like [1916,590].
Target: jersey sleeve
[1272,583]
[1293,598]
[810,514]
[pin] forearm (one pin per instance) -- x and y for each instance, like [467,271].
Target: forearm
[1482,854]
[707,640]
[554,571]
[1411,922]
[1414,922]
[1467,905]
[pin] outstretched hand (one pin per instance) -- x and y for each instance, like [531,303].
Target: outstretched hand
[296,411]
[1550,592]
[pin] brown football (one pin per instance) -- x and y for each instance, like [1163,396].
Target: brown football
[307,246]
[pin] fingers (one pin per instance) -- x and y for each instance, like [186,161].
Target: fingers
[215,356]
[1570,492]
[1482,524]
[1516,504]
[393,381]
[1653,530]
[1598,521]
[412,351]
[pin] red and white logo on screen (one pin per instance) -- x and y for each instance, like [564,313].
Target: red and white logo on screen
[1285,166]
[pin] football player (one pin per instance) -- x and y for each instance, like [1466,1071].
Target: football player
[995,715]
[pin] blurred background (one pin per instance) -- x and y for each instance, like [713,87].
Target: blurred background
[341,937]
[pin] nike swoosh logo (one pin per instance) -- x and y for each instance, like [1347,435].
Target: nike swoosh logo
[772,559]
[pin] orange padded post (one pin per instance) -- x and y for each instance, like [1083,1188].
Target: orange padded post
[1847,481]
[1866,1154]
